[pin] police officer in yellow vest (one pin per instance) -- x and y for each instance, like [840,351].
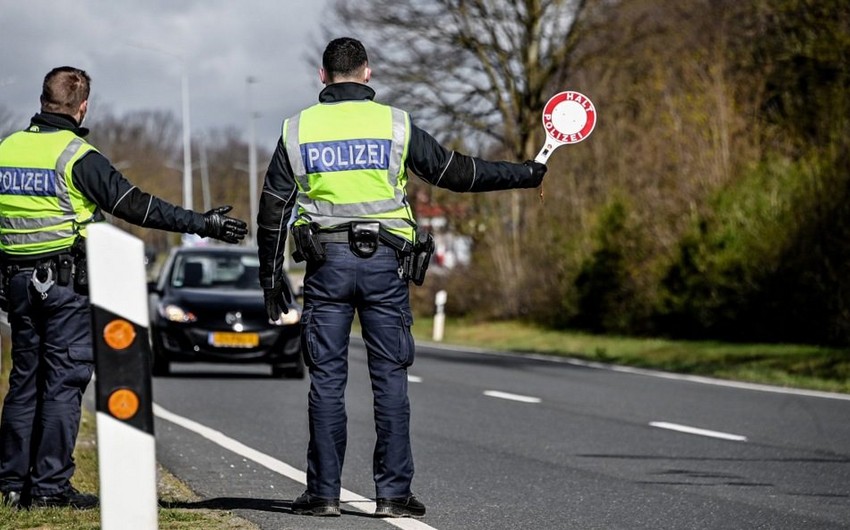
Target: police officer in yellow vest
[342,166]
[52,185]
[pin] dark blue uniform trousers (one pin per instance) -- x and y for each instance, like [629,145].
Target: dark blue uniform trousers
[333,290]
[51,367]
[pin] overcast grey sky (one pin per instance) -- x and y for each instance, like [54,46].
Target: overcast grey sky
[222,41]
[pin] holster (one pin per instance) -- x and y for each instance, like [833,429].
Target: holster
[80,275]
[415,264]
[307,244]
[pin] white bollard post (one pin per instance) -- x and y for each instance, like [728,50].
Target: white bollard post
[125,441]
[440,315]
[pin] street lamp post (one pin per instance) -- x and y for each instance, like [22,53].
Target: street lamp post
[187,128]
[187,140]
[205,174]
[252,159]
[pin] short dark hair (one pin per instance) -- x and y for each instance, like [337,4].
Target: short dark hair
[343,57]
[64,89]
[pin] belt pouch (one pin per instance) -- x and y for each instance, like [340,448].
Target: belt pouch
[64,267]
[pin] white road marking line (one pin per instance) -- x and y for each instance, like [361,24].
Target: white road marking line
[697,431]
[414,378]
[512,397]
[355,501]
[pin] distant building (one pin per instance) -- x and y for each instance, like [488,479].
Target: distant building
[451,249]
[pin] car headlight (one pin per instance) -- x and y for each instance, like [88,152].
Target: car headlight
[176,313]
[288,319]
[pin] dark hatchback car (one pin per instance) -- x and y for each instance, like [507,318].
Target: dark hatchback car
[207,306]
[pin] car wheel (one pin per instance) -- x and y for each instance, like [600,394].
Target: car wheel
[289,372]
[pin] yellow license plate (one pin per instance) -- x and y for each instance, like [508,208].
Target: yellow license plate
[224,339]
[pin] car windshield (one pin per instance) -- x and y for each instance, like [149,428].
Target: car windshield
[216,271]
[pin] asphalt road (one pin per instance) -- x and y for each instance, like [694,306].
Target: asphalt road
[505,442]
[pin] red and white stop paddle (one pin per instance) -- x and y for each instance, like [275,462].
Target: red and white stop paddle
[568,118]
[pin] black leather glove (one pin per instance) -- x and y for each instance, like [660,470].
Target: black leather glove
[219,226]
[277,300]
[537,171]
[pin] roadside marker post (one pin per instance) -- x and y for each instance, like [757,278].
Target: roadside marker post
[440,315]
[125,438]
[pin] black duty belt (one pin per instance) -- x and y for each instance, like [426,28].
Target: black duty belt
[32,263]
[334,237]
[26,264]
[343,236]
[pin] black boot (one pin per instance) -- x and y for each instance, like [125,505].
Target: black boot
[13,499]
[399,507]
[308,504]
[70,497]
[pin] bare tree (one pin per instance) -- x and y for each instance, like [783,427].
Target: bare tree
[9,122]
[145,146]
[481,68]
[475,72]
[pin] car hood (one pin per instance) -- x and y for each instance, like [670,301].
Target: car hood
[212,299]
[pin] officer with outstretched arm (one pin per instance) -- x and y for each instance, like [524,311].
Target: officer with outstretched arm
[54,184]
[342,166]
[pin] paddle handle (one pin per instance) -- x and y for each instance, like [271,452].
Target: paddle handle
[544,153]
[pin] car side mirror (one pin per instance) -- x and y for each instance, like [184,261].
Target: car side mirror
[152,288]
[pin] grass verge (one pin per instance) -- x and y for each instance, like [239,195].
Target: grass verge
[170,491]
[799,366]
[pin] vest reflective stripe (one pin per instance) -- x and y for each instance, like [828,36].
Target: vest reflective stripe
[18,223]
[43,220]
[291,128]
[400,139]
[337,153]
[62,192]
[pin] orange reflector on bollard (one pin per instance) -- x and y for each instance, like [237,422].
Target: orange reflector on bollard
[123,404]
[119,334]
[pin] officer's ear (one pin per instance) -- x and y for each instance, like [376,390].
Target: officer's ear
[367,75]
[81,114]
[323,76]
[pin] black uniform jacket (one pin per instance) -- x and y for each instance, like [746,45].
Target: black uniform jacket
[105,186]
[426,158]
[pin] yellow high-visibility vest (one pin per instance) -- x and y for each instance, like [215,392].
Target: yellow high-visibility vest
[348,159]
[41,211]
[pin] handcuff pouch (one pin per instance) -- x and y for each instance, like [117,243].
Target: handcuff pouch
[363,238]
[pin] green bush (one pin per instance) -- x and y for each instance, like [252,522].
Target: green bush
[604,287]
[764,263]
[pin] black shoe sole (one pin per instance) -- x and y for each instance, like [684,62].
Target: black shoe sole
[78,505]
[319,511]
[75,506]
[387,512]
